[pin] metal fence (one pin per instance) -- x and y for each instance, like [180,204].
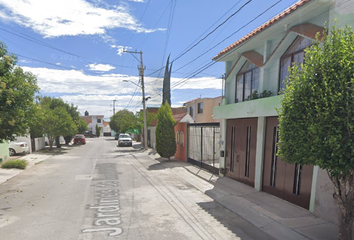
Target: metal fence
[203,145]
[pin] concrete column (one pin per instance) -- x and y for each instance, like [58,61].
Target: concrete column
[223,126]
[266,54]
[313,189]
[261,128]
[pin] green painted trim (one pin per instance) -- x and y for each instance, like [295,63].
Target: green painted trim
[263,107]
[4,151]
[313,189]
[223,146]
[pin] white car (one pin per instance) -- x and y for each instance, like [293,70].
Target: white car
[125,140]
[17,148]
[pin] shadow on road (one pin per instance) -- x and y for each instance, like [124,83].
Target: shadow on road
[164,163]
[233,222]
[110,139]
[56,151]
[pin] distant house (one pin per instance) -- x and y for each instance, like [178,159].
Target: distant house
[182,120]
[152,128]
[107,131]
[201,109]
[92,121]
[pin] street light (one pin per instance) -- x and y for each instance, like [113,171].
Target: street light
[144,109]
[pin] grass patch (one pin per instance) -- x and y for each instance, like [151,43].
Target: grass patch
[17,163]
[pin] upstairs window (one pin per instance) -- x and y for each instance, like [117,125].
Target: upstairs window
[200,107]
[191,111]
[247,81]
[98,120]
[294,55]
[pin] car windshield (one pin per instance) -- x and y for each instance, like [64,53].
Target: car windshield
[124,136]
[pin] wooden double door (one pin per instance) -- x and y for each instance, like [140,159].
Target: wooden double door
[291,182]
[241,140]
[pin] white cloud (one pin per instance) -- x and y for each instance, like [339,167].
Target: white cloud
[69,17]
[100,67]
[136,1]
[24,61]
[120,49]
[95,93]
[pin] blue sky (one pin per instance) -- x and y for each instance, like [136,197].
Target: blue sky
[75,47]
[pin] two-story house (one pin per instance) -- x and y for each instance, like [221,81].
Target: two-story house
[259,62]
[201,109]
[92,121]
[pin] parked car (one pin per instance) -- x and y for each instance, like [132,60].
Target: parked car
[89,134]
[79,139]
[116,136]
[124,139]
[18,148]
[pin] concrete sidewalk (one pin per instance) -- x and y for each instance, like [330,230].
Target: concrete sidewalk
[278,218]
[32,159]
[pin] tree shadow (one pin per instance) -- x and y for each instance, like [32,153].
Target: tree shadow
[164,163]
[233,222]
[55,151]
[110,139]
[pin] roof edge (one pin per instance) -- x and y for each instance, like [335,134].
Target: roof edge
[261,28]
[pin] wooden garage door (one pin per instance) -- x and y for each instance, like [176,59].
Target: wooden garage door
[291,182]
[241,149]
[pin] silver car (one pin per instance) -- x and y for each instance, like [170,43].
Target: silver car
[125,140]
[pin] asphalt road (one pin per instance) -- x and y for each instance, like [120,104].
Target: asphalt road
[101,191]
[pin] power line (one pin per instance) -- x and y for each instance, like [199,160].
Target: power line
[209,65]
[230,35]
[37,60]
[189,49]
[31,39]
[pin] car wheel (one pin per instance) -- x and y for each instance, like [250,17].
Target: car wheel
[12,152]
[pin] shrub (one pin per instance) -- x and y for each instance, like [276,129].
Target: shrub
[256,95]
[17,163]
[165,133]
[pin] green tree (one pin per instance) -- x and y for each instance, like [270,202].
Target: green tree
[98,131]
[75,115]
[17,89]
[122,121]
[317,117]
[51,119]
[53,103]
[81,126]
[165,133]
[140,120]
[56,122]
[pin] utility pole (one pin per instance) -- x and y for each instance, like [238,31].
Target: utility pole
[141,74]
[114,106]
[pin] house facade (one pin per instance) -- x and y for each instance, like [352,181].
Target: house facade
[92,121]
[152,127]
[257,65]
[201,109]
[180,128]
